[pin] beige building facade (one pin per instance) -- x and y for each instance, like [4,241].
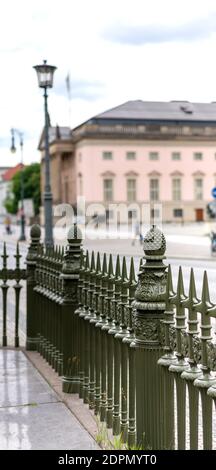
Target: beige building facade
[140,153]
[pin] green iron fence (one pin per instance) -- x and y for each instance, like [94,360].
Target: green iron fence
[140,354]
[7,276]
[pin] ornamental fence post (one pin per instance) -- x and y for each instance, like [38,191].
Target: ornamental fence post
[31,307]
[70,340]
[149,307]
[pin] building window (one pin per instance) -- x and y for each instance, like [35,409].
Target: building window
[176,189]
[153,156]
[176,156]
[131,155]
[154,189]
[155,213]
[131,189]
[177,212]
[107,155]
[109,215]
[108,190]
[132,214]
[198,189]
[198,156]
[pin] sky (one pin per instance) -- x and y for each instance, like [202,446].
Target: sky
[114,51]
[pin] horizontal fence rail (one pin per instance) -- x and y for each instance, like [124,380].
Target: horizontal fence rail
[7,275]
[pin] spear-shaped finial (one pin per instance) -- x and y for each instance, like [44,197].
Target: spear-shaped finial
[92,268]
[98,263]
[110,266]
[117,269]
[124,270]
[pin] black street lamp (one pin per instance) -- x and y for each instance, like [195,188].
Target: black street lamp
[13,150]
[45,74]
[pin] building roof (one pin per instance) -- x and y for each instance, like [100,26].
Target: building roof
[8,175]
[161,111]
[55,133]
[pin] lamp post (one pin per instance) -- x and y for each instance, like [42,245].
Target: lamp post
[45,74]
[13,150]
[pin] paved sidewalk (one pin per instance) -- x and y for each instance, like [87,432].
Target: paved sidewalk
[32,415]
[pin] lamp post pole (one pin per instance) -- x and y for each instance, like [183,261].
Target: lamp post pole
[22,214]
[22,220]
[45,74]
[47,187]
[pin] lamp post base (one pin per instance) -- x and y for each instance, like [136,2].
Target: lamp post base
[22,237]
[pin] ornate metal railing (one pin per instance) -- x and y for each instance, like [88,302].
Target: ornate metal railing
[139,353]
[189,363]
[7,274]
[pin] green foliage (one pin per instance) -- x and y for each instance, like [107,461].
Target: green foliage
[31,178]
[106,440]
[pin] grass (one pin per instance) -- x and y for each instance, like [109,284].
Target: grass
[106,440]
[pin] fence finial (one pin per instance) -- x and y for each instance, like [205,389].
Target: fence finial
[74,234]
[154,243]
[35,234]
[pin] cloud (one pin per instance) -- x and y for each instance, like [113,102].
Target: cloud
[156,33]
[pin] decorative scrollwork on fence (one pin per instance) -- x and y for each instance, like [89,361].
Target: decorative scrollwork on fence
[172,334]
[146,329]
[162,333]
[184,343]
[211,351]
[197,349]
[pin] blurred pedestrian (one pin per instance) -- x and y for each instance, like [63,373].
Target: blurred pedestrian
[8,225]
[137,234]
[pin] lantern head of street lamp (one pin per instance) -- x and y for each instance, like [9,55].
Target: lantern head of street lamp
[13,148]
[45,74]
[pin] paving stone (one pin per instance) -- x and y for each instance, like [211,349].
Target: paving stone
[49,426]
[32,415]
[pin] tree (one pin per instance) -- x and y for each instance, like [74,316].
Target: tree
[31,179]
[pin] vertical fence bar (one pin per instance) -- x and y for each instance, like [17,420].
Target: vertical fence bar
[165,361]
[37,296]
[17,288]
[92,334]
[70,277]
[4,288]
[103,398]
[128,340]
[31,307]
[78,312]
[60,322]
[107,328]
[193,371]
[206,379]
[181,365]
[117,351]
[85,335]
[97,336]
[149,306]
[122,351]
